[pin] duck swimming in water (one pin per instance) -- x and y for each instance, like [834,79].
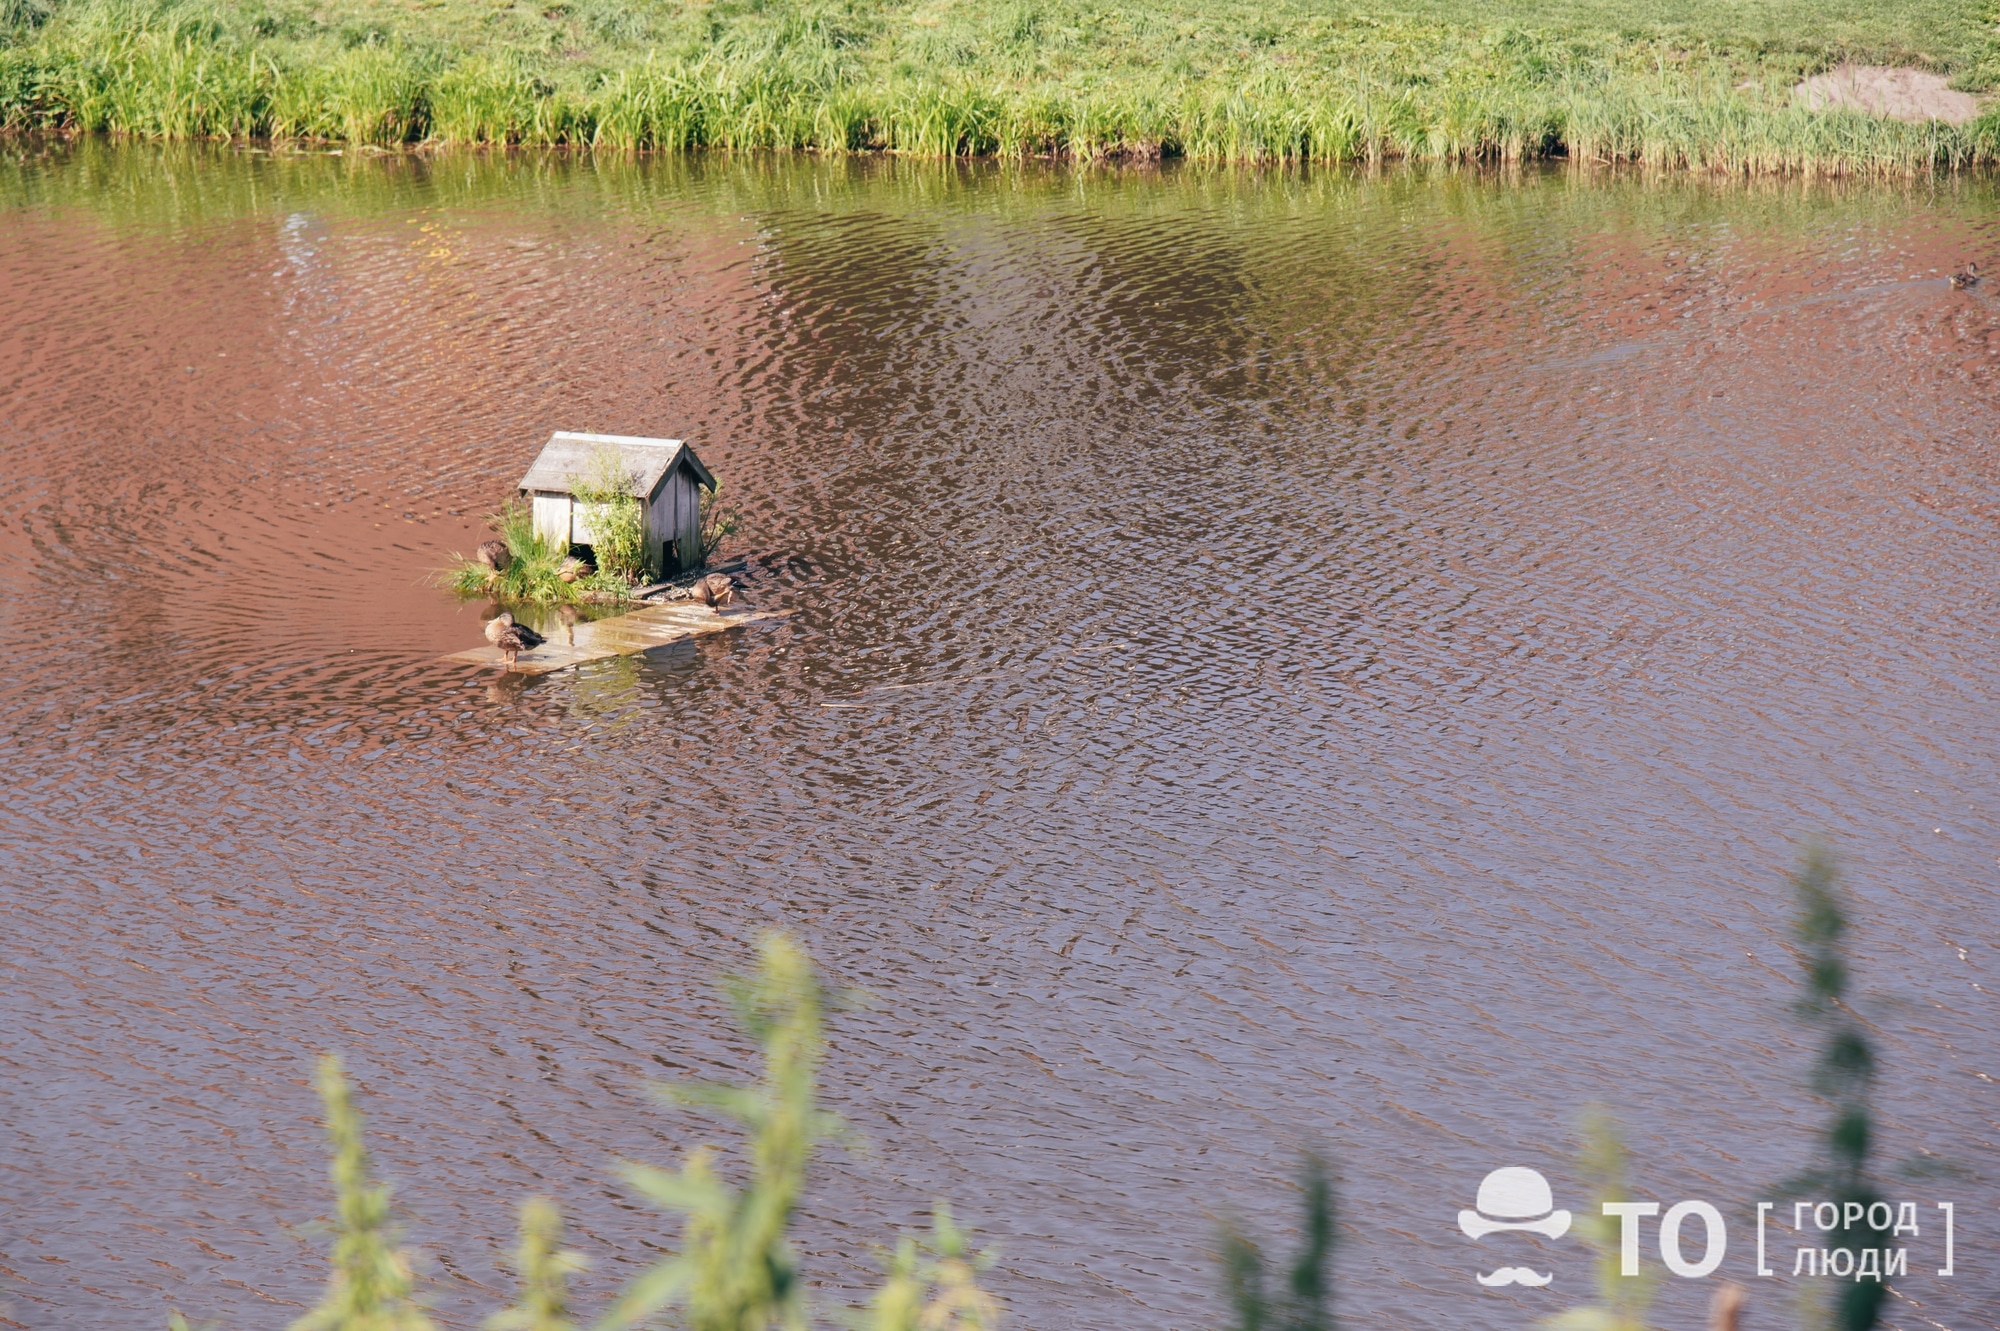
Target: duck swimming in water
[511,638]
[1965,277]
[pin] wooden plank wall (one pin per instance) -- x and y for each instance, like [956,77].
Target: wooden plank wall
[675,519]
[552,517]
[687,533]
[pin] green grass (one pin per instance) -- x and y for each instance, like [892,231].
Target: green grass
[534,575]
[617,524]
[1696,83]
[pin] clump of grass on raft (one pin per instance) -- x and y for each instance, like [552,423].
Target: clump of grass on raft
[535,571]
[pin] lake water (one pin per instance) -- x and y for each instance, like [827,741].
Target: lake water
[1276,659]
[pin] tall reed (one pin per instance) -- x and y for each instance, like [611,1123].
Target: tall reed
[370,94]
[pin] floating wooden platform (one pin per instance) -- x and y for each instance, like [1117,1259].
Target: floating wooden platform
[621,635]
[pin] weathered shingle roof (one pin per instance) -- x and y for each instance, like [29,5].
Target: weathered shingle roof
[568,458]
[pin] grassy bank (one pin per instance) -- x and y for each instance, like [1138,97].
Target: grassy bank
[1693,84]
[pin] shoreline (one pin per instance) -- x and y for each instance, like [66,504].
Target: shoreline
[1813,144]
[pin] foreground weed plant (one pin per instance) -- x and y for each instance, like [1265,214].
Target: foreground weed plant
[734,1270]
[933,1284]
[1306,1301]
[543,1267]
[1621,1300]
[370,1287]
[1844,1075]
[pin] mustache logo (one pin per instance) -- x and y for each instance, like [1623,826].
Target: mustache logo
[1514,1200]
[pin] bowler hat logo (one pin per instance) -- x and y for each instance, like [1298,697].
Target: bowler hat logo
[1514,1199]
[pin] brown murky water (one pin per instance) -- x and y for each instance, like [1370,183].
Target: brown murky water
[1275,660]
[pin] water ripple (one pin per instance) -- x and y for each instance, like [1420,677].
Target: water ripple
[1277,659]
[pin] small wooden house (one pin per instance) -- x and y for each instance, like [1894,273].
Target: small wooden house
[664,475]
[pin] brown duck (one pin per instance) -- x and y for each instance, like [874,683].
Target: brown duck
[512,639]
[715,589]
[495,555]
[1967,276]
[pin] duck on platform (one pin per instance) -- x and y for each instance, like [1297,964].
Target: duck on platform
[511,638]
[715,589]
[1966,277]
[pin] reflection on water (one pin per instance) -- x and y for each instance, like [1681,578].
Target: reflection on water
[1276,659]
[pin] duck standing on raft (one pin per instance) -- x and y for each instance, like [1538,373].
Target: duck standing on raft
[511,638]
[714,590]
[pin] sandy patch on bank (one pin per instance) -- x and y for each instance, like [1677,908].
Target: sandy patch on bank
[1900,94]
